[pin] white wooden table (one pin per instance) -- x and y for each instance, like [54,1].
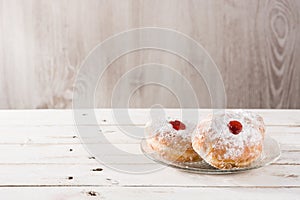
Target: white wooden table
[42,158]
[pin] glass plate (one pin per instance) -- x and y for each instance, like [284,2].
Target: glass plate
[271,152]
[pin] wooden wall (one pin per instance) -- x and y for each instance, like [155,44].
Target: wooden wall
[256,45]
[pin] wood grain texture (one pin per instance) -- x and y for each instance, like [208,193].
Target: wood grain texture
[38,155]
[138,117]
[256,45]
[147,193]
[35,156]
[280,41]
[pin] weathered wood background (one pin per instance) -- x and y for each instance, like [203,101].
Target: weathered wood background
[256,45]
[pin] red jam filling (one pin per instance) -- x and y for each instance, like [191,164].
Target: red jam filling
[177,125]
[235,127]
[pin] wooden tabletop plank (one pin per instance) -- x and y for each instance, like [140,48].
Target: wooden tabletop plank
[42,148]
[77,154]
[137,116]
[145,193]
[61,144]
[69,135]
[83,175]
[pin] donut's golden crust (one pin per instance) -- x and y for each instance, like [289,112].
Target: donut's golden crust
[215,157]
[215,151]
[176,149]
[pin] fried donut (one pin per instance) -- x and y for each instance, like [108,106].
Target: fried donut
[172,140]
[229,139]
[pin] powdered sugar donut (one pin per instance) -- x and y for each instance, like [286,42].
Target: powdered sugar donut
[172,140]
[229,139]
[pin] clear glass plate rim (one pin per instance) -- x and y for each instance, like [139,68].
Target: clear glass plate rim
[181,166]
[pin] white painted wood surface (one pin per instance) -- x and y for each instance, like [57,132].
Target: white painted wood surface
[42,157]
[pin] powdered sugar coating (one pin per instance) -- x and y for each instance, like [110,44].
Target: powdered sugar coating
[171,144]
[163,128]
[215,136]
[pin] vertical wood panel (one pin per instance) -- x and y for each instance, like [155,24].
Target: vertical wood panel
[280,37]
[256,45]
